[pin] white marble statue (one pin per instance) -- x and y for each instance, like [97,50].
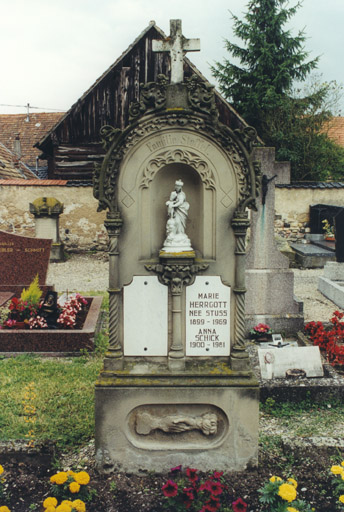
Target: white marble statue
[177,211]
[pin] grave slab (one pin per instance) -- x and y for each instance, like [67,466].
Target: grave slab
[275,362]
[333,290]
[311,256]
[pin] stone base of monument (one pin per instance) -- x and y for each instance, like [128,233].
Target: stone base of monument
[57,252]
[148,418]
[274,302]
[54,341]
[331,284]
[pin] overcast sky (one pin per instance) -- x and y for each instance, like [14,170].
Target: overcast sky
[53,51]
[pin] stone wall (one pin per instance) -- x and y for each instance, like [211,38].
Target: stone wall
[292,208]
[81,226]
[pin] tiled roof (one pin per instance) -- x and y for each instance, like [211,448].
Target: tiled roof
[40,183]
[31,128]
[12,168]
[336,130]
[312,184]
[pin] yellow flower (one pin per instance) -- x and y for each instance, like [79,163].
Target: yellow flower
[1,469]
[82,478]
[274,479]
[74,487]
[292,509]
[50,509]
[293,482]
[287,492]
[4,509]
[50,502]
[63,508]
[60,478]
[336,470]
[79,506]
[70,473]
[341,498]
[67,502]
[342,463]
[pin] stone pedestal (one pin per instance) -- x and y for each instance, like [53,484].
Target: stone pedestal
[204,417]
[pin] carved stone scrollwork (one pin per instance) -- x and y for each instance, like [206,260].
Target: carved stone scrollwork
[176,275]
[201,96]
[182,156]
[146,423]
[152,97]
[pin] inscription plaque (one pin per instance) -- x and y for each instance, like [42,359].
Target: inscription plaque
[145,334]
[207,317]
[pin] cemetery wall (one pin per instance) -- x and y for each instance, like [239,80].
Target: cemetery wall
[81,226]
[292,208]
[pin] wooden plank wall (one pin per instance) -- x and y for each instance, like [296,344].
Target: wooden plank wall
[75,144]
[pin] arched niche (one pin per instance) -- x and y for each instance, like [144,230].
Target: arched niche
[161,188]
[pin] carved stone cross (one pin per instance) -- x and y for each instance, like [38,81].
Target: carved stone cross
[177,45]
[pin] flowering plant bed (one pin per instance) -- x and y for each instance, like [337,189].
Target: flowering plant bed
[55,340]
[329,339]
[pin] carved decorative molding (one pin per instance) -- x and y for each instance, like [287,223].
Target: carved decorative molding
[199,118]
[176,275]
[179,156]
[152,97]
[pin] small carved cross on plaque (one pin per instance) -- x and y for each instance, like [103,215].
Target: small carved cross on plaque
[177,45]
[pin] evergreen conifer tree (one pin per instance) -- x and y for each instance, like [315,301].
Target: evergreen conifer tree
[259,84]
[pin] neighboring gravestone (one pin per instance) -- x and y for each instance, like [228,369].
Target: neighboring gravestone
[22,258]
[276,362]
[176,383]
[339,230]
[270,284]
[331,284]
[47,211]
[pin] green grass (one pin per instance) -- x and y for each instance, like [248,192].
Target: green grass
[307,418]
[63,398]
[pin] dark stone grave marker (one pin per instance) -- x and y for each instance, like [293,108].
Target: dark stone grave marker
[339,226]
[22,258]
[320,212]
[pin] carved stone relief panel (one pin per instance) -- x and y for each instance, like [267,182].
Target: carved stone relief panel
[177,426]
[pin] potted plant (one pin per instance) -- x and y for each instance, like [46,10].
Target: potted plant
[261,332]
[328,230]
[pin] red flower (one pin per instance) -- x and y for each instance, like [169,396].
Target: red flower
[215,488]
[217,474]
[188,496]
[170,489]
[239,505]
[213,503]
[192,474]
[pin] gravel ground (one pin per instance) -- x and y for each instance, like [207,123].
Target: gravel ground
[84,273]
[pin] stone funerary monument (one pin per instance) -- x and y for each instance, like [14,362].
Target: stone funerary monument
[176,387]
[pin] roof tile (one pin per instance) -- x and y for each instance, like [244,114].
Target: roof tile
[30,128]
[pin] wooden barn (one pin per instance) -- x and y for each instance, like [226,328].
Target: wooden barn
[72,147]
